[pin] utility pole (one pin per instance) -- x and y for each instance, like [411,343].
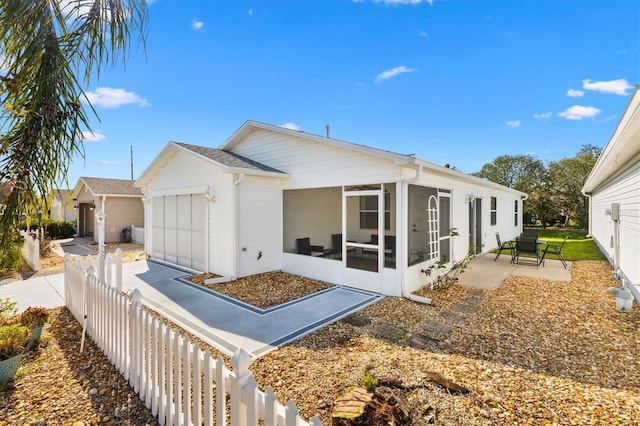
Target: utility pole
[131,162]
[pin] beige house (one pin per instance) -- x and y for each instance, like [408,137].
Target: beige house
[120,201]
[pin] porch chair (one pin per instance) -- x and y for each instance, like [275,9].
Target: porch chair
[557,250]
[390,247]
[304,247]
[504,246]
[529,247]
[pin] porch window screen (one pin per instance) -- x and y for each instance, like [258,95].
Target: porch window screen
[369,211]
[432,221]
[515,213]
[494,210]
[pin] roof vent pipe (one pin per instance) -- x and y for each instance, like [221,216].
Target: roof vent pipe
[327,127]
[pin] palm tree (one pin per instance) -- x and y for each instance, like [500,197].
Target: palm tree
[49,49]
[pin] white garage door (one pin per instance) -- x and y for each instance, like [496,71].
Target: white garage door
[179,225]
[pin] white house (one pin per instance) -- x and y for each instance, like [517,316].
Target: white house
[613,188]
[256,203]
[62,206]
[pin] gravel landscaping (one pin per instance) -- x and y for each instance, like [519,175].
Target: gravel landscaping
[532,352]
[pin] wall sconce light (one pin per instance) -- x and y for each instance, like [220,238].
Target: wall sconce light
[93,206]
[211,198]
[75,207]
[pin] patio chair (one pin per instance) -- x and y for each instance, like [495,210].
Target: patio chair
[504,246]
[528,247]
[304,247]
[557,250]
[336,246]
[529,235]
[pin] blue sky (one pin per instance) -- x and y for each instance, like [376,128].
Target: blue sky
[452,81]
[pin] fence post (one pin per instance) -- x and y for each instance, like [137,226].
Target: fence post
[36,255]
[240,362]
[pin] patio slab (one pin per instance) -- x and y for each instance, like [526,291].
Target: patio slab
[483,272]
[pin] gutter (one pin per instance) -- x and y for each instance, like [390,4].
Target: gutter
[405,193]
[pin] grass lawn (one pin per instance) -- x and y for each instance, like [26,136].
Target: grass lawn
[578,246]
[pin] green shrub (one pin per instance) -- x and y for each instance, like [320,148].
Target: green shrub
[13,340]
[7,310]
[369,382]
[11,256]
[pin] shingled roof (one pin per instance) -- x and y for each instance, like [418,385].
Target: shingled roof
[110,187]
[227,158]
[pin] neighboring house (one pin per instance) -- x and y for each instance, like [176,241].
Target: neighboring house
[613,188]
[120,201]
[61,208]
[240,209]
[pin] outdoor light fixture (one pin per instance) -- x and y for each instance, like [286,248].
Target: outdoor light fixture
[93,206]
[75,207]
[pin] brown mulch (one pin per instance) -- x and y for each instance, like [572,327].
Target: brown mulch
[532,352]
[265,290]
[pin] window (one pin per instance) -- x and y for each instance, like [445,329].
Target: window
[369,211]
[494,210]
[515,213]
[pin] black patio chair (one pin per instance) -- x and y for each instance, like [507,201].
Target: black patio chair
[304,247]
[528,247]
[504,246]
[529,235]
[557,250]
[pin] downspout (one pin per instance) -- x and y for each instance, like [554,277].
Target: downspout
[236,182]
[405,231]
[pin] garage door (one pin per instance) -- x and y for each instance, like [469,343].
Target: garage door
[178,232]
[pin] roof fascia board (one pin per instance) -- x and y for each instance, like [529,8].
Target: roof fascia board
[248,125]
[615,148]
[454,174]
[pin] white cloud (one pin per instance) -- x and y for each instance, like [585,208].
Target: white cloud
[197,25]
[392,73]
[578,112]
[402,1]
[92,137]
[616,87]
[290,125]
[542,115]
[108,97]
[250,12]
[112,163]
[514,123]
[423,34]
[575,93]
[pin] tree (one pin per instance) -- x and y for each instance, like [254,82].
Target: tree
[567,177]
[50,48]
[524,173]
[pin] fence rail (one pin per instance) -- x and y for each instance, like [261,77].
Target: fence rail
[179,383]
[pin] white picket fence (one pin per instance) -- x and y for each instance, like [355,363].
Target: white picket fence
[179,383]
[110,266]
[31,249]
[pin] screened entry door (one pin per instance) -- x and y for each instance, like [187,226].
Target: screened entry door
[179,230]
[363,256]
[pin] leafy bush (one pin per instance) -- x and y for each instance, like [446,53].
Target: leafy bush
[7,310]
[57,230]
[11,256]
[13,340]
[34,317]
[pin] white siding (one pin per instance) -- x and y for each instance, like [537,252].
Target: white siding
[259,210]
[182,174]
[624,189]
[312,164]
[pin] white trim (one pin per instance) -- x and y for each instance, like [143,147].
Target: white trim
[201,189]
